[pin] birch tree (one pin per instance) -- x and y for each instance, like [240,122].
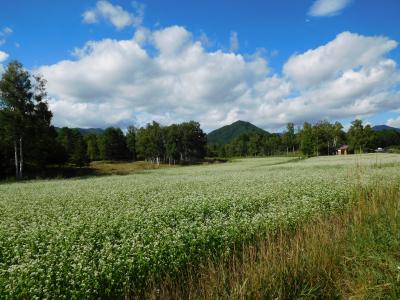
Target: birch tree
[24,114]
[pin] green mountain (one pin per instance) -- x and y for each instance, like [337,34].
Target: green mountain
[385,127]
[228,133]
[86,131]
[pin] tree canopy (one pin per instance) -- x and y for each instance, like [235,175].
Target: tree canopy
[25,120]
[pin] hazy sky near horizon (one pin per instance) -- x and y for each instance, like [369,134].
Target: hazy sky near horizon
[116,62]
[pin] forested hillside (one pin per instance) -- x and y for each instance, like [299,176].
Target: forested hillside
[321,138]
[86,131]
[228,133]
[385,127]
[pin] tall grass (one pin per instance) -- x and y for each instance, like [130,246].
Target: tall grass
[355,254]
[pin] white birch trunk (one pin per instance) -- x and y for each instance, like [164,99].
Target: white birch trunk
[21,157]
[16,159]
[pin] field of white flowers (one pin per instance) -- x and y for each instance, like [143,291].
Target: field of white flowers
[99,237]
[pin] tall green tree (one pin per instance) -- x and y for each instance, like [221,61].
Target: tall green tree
[255,144]
[24,116]
[74,146]
[93,152]
[339,135]
[307,139]
[114,144]
[131,141]
[359,137]
[323,137]
[150,142]
[274,143]
[369,135]
[289,137]
[185,142]
[173,146]
[6,154]
[194,140]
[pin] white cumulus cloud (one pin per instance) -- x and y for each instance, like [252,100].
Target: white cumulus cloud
[3,56]
[114,14]
[346,51]
[326,8]
[169,76]
[394,122]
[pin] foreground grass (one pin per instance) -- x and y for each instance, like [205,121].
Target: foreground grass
[102,168]
[129,167]
[355,254]
[116,236]
[95,168]
[124,168]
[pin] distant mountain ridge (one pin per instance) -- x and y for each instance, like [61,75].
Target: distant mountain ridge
[385,127]
[228,133]
[86,131]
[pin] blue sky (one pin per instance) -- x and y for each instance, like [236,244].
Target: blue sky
[246,46]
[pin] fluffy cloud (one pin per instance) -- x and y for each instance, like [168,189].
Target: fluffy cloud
[168,76]
[347,51]
[394,122]
[114,14]
[327,8]
[3,56]
[115,79]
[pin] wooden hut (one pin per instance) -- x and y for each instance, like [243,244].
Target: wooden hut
[342,150]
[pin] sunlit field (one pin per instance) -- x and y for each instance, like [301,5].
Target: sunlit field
[114,235]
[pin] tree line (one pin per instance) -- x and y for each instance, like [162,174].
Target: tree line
[26,136]
[177,143]
[322,138]
[28,141]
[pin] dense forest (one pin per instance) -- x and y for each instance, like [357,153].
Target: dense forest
[322,138]
[177,143]
[28,141]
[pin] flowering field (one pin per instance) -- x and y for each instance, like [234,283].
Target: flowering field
[102,236]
